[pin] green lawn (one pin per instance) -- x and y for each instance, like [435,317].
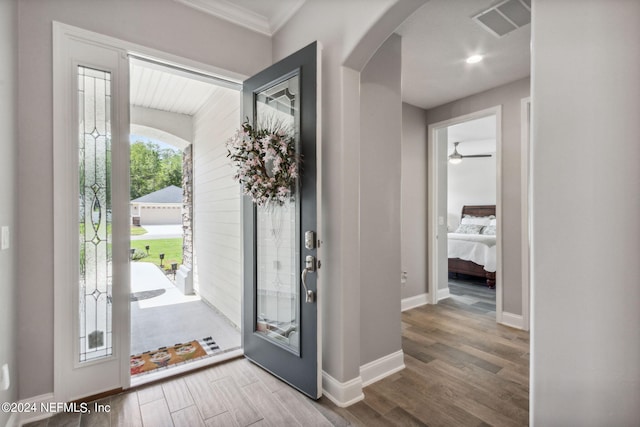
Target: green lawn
[171,248]
[136,230]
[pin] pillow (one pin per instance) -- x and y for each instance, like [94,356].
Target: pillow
[489,230]
[477,220]
[469,229]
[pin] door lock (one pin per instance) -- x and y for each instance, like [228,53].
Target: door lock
[309,267]
[310,239]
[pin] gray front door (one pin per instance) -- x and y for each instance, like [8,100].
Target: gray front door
[280,320]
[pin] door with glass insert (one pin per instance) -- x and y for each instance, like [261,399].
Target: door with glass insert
[280,322]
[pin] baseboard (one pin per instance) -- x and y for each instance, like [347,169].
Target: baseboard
[512,320]
[342,394]
[13,420]
[443,294]
[414,301]
[36,401]
[381,368]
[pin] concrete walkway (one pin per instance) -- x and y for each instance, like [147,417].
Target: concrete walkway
[160,232]
[171,317]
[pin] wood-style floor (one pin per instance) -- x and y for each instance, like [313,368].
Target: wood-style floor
[462,369]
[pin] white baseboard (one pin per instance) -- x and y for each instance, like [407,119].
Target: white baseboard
[381,368]
[13,420]
[29,417]
[414,301]
[443,294]
[342,394]
[512,320]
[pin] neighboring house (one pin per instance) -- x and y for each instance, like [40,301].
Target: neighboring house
[160,207]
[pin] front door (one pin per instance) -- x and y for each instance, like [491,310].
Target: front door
[280,321]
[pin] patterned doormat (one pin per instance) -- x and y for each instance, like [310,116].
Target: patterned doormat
[165,357]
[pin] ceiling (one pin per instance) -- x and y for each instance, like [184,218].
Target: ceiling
[475,136]
[157,87]
[437,39]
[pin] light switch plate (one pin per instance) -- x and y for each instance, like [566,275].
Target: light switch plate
[5,238]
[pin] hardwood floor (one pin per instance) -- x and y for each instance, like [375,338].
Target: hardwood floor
[474,292]
[462,369]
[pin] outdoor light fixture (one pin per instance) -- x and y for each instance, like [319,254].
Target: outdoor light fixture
[161,259]
[174,267]
[133,251]
[147,248]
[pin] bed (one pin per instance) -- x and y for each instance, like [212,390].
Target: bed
[474,254]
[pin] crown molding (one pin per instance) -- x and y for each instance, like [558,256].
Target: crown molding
[232,13]
[245,17]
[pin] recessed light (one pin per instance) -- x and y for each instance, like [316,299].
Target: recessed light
[473,59]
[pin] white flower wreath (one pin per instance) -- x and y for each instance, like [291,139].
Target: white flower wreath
[266,164]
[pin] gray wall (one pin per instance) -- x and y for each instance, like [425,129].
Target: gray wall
[586,204]
[414,200]
[160,24]
[8,194]
[380,148]
[342,28]
[509,96]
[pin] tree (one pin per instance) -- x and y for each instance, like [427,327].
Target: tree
[153,168]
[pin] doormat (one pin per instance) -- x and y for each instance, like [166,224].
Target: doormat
[178,354]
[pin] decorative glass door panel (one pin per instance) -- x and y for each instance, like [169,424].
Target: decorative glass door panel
[277,231]
[280,328]
[94,170]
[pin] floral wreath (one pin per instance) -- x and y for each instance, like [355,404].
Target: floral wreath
[266,164]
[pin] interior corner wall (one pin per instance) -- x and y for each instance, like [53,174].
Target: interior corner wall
[414,200]
[509,96]
[217,207]
[380,164]
[8,196]
[165,25]
[585,209]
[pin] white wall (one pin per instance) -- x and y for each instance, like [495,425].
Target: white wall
[8,195]
[414,200]
[585,343]
[509,96]
[216,201]
[380,165]
[162,24]
[471,182]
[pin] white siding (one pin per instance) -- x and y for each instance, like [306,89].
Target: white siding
[216,201]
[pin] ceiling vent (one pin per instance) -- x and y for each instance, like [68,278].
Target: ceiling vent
[505,17]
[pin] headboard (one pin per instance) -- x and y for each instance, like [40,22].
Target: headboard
[478,210]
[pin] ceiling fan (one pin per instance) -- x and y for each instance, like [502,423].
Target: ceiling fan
[455,157]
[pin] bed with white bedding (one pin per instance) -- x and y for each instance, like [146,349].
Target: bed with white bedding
[472,247]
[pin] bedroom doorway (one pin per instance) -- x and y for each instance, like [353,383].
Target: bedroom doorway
[464,175]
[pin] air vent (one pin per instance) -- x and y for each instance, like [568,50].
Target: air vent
[505,17]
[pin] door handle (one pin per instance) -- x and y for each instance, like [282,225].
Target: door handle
[310,266]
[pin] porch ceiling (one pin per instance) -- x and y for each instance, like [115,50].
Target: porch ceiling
[160,89]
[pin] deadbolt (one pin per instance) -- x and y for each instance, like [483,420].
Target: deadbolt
[310,239]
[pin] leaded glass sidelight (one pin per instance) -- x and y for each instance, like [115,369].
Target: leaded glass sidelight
[94,170]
